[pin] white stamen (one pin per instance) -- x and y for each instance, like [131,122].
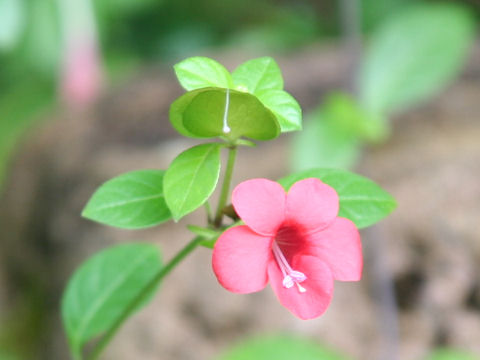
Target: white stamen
[287,282]
[298,276]
[290,277]
[300,288]
[226,129]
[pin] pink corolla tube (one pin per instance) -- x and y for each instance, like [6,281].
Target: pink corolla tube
[293,240]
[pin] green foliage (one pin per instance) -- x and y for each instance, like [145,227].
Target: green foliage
[452,354]
[263,78]
[257,108]
[191,178]
[243,114]
[322,144]
[19,108]
[131,201]
[166,29]
[8,356]
[41,48]
[103,289]
[179,106]
[413,55]
[209,236]
[201,72]
[257,75]
[361,200]
[203,113]
[289,28]
[121,7]
[285,108]
[374,12]
[280,348]
[334,133]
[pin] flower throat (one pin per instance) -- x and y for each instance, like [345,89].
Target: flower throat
[290,276]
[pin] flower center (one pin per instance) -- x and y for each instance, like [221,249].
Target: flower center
[290,276]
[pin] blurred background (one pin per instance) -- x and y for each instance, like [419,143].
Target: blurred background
[389,88]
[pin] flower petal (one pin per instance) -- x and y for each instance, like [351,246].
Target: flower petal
[340,247]
[260,203]
[312,204]
[318,285]
[240,260]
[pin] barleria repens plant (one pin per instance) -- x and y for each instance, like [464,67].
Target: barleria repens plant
[299,233]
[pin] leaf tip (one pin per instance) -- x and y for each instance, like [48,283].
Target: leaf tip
[86,213]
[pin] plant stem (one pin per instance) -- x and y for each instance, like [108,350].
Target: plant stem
[77,354]
[208,209]
[147,290]
[227,179]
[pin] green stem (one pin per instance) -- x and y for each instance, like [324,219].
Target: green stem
[147,290]
[77,354]
[227,179]
[208,209]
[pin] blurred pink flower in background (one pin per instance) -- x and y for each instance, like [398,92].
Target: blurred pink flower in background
[293,240]
[81,73]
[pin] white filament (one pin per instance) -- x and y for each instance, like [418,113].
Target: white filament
[290,277]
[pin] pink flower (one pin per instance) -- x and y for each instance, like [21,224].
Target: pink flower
[82,74]
[293,240]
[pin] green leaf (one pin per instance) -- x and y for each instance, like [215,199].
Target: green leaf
[130,201]
[414,54]
[285,108]
[245,116]
[343,112]
[178,108]
[280,348]
[361,200]
[104,287]
[334,133]
[201,72]
[257,75]
[192,178]
[451,354]
[322,144]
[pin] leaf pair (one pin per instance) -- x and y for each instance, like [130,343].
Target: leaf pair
[215,112]
[139,198]
[250,102]
[146,198]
